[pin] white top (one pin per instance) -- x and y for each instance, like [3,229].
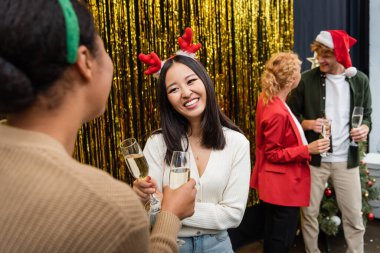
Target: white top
[222,191]
[338,110]
[299,127]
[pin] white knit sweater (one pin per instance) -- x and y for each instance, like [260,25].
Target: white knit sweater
[222,190]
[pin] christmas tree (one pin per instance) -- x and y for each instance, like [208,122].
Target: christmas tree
[329,214]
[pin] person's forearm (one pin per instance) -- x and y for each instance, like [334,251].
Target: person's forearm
[307,124]
[164,233]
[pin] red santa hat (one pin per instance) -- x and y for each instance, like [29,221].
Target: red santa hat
[340,42]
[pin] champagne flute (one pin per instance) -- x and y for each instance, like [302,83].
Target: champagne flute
[356,120]
[179,169]
[179,174]
[326,133]
[139,168]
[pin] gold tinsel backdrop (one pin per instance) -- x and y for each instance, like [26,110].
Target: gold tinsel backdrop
[237,38]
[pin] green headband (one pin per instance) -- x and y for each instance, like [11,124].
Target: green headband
[72,30]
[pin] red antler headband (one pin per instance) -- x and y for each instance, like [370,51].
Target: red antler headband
[186,49]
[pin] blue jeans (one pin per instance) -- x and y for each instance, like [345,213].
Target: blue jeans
[218,243]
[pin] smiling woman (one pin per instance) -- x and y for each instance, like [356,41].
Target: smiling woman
[191,120]
[186,92]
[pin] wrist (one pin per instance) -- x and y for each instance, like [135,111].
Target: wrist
[306,125]
[308,148]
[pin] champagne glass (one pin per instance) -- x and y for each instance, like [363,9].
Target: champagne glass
[179,174]
[138,167]
[326,133]
[179,169]
[356,120]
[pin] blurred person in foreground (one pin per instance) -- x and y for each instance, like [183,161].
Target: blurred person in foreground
[55,75]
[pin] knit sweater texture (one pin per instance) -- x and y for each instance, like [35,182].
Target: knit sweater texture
[222,190]
[52,203]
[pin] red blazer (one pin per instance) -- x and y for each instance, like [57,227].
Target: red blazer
[281,173]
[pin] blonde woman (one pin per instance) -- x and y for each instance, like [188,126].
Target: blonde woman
[281,173]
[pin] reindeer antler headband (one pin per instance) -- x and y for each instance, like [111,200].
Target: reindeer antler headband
[186,49]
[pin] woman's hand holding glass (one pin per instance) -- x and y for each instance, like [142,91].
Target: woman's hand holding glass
[180,201]
[138,167]
[319,146]
[144,188]
[323,127]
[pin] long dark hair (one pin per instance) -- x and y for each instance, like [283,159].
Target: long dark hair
[33,51]
[174,126]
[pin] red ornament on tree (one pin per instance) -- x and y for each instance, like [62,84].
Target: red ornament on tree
[369,183]
[371,216]
[328,192]
[367,172]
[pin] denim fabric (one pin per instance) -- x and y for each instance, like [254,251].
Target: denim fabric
[218,243]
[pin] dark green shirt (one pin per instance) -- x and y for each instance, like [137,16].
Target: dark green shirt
[307,102]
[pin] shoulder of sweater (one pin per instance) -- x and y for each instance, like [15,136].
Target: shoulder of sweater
[234,136]
[91,177]
[156,135]
[156,139]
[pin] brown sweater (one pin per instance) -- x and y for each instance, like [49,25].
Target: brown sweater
[50,202]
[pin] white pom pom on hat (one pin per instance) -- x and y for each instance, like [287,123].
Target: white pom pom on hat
[351,71]
[341,42]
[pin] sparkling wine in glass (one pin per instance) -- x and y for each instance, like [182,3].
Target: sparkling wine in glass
[179,169]
[139,168]
[356,120]
[326,133]
[137,165]
[179,174]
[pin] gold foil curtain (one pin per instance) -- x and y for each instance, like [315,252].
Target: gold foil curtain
[237,38]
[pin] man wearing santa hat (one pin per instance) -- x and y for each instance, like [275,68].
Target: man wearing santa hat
[331,91]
